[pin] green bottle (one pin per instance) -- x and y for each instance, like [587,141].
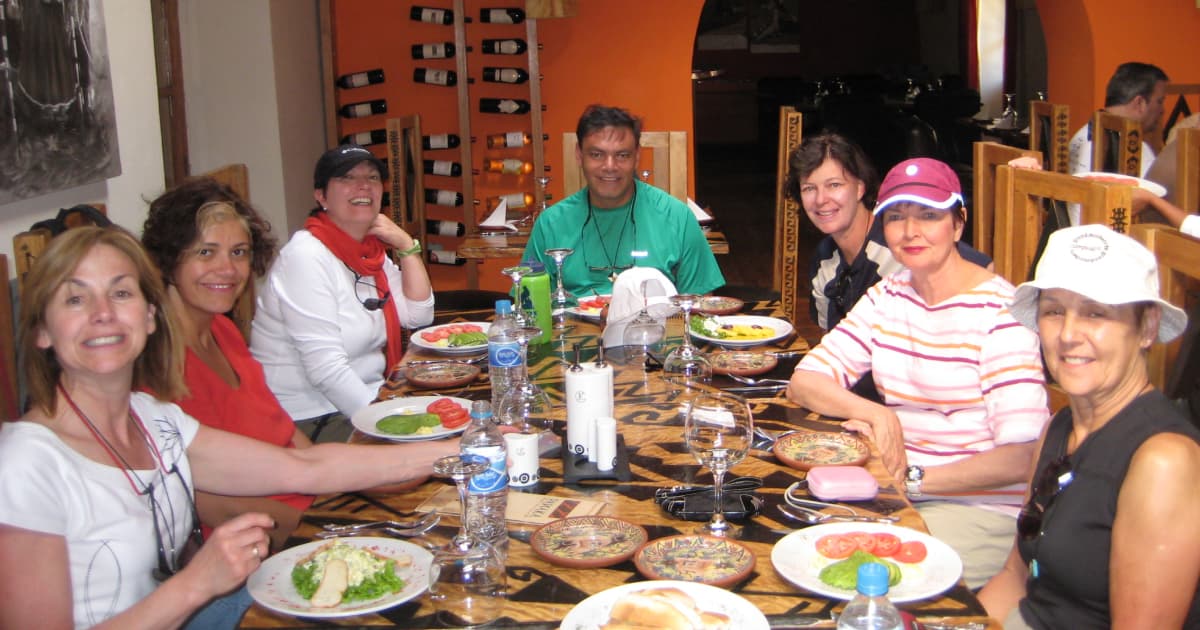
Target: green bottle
[535,299]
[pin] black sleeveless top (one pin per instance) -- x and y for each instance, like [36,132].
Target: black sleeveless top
[1072,553]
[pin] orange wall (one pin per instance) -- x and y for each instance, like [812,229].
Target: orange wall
[1087,39]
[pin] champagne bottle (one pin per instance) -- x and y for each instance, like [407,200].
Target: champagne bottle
[504,106]
[515,200]
[432,15]
[440,50]
[365,138]
[443,167]
[443,197]
[444,228]
[502,16]
[511,140]
[505,75]
[440,141]
[431,76]
[365,108]
[508,166]
[446,257]
[359,79]
[504,46]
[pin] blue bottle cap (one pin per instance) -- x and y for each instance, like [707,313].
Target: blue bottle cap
[503,307]
[872,579]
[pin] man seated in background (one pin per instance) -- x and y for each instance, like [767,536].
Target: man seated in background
[1136,91]
[617,222]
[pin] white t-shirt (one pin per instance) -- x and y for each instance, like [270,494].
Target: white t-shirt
[46,486]
[1080,161]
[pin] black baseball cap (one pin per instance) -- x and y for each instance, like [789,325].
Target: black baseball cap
[339,160]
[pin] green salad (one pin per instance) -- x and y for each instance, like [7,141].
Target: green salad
[844,573]
[371,576]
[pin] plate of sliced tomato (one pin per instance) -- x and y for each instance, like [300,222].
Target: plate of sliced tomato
[454,415]
[590,308]
[456,338]
[928,566]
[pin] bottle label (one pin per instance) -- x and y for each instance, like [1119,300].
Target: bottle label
[445,228]
[495,477]
[358,79]
[443,256]
[362,137]
[515,200]
[508,47]
[432,15]
[442,167]
[447,198]
[439,141]
[514,139]
[508,75]
[499,16]
[360,110]
[433,51]
[512,166]
[437,77]
[504,355]
[508,106]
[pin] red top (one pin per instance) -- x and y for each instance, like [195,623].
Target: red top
[249,409]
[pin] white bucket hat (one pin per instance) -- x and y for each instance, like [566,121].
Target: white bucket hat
[1102,265]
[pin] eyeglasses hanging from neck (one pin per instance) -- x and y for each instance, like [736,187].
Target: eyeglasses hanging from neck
[371,303]
[612,268]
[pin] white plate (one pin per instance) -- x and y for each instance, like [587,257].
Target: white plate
[781,328]
[593,612]
[421,343]
[1153,188]
[589,315]
[796,559]
[271,585]
[366,418]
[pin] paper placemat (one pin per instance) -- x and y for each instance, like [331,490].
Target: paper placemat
[523,507]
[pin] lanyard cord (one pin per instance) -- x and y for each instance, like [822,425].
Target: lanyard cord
[112,452]
[629,216]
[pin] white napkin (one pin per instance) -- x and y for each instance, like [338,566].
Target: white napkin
[627,300]
[497,220]
[699,212]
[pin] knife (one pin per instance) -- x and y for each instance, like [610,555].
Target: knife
[785,622]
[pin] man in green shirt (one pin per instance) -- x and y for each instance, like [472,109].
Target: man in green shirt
[618,222]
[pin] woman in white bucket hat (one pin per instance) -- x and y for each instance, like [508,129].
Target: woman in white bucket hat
[1107,537]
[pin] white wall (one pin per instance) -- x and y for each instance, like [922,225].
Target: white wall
[131,57]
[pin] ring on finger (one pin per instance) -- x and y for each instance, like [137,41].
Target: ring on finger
[254,550]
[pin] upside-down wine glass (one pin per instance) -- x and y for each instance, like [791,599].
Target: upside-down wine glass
[544,184]
[561,298]
[522,316]
[643,335]
[525,406]
[718,430]
[466,578]
[686,365]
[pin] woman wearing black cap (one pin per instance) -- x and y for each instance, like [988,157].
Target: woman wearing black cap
[329,318]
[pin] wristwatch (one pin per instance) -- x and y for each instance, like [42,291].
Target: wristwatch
[912,480]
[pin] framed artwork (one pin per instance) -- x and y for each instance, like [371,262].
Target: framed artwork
[760,26]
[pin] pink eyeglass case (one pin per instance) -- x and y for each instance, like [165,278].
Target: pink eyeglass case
[842,483]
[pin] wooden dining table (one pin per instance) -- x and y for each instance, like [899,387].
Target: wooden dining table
[648,412]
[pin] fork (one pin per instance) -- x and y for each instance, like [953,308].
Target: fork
[746,380]
[420,527]
[350,527]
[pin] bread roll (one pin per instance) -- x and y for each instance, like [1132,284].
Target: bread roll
[333,584]
[662,609]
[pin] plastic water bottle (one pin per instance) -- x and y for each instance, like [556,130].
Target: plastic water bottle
[487,492]
[504,353]
[535,299]
[870,608]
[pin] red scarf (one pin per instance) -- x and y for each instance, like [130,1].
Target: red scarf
[365,259]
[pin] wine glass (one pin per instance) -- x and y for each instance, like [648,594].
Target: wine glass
[525,406]
[561,298]
[1008,117]
[686,365]
[544,183]
[643,335]
[717,430]
[645,173]
[460,468]
[522,316]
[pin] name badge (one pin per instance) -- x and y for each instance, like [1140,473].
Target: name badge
[639,253]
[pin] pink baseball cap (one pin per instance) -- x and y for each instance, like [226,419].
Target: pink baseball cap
[925,181]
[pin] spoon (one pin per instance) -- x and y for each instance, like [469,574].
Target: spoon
[746,380]
[813,517]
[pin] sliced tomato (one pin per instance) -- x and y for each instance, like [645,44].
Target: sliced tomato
[865,541]
[911,552]
[836,546]
[886,545]
[454,418]
[472,328]
[430,335]
[440,404]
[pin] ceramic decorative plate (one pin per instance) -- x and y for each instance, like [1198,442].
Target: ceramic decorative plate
[441,375]
[765,329]
[594,612]
[695,558]
[1153,188]
[271,585]
[742,363]
[586,542]
[424,338]
[806,449]
[796,559]
[719,305]
[366,418]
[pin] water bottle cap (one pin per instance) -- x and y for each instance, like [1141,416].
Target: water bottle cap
[481,408]
[503,307]
[535,266]
[872,579]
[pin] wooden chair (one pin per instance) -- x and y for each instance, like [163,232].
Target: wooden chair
[1020,215]
[1116,144]
[668,165]
[989,155]
[1180,110]
[237,178]
[1187,170]
[9,386]
[30,244]
[787,267]
[1050,133]
[1177,256]
[406,177]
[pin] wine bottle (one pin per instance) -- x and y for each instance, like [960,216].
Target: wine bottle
[515,200]
[505,75]
[443,197]
[508,166]
[440,141]
[359,79]
[435,77]
[511,140]
[367,108]
[432,15]
[502,16]
[504,106]
[446,257]
[440,50]
[504,46]
[365,138]
[444,228]
[443,167]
